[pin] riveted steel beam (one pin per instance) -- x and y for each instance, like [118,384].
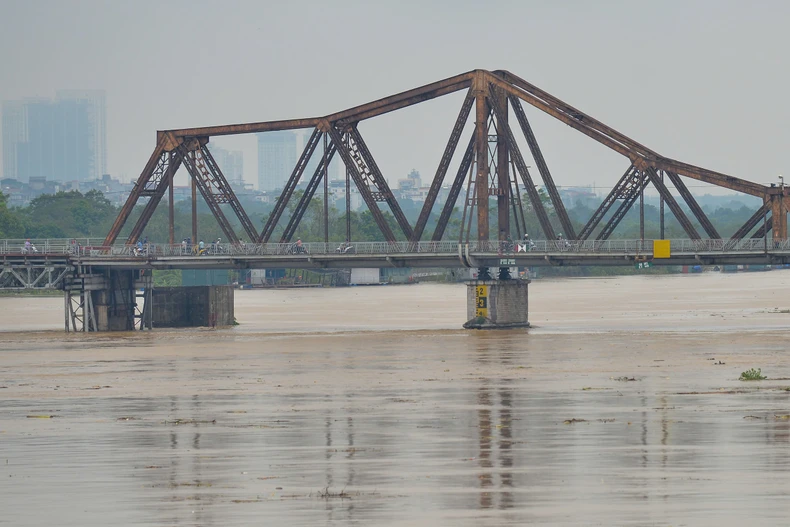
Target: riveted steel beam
[135,194]
[195,164]
[752,222]
[155,189]
[706,224]
[380,182]
[515,153]
[548,181]
[362,185]
[309,192]
[224,189]
[282,202]
[619,191]
[455,190]
[637,183]
[672,203]
[444,164]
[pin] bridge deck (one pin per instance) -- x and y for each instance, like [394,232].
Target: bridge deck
[397,254]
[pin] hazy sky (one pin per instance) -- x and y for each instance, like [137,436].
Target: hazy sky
[706,82]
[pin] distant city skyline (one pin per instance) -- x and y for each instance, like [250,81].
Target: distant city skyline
[60,139]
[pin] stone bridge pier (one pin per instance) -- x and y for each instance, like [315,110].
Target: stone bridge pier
[126,300]
[497,304]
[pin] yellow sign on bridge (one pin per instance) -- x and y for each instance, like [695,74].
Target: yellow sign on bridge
[661,249]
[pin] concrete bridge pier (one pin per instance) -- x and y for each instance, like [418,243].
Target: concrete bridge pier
[125,300]
[497,304]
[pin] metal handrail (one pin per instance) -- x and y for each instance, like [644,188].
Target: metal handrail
[92,247]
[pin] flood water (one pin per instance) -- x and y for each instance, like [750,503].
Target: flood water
[370,406]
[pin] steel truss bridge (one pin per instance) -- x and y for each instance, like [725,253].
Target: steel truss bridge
[491,173]
[57,262]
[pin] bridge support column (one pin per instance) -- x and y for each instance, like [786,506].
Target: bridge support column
[778,217]
[495,304]
[109,300]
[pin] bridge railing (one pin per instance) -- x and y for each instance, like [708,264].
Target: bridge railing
[625,247]
[53,246]
[92,247]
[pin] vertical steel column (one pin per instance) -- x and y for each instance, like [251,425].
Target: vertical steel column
[348,196]
[171,199]
[765,230]
[661,209]
[455,190]
[67,307]
[326,194]
[194,205]
[778,217]
[503,177]
[642,214]
[481,154]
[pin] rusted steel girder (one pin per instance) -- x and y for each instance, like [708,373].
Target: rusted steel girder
[194,163]
[355,114]
[482,111]
[515,153]
[693,205]
[444,164]
[380,182]
[617,192]
[636,185]
[567,113]
[673,205]
[752,222]
[401,100]
[245,128]
[548,181]
[487,88]
[282,202]
[362,186]
[155,189]
[455,190]
[516,203]
[134,195]
[503,196]
[309,192]
[224,193]
[614,139]
[764,229]
[779,216]
[171,206]
[709,176]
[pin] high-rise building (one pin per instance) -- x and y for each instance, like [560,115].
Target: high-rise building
[14,132]
[96,101]
[231,163]
[64,139]
[276,159]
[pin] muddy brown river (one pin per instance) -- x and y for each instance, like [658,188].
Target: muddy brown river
[370,406]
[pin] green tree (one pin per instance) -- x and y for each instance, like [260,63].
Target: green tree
[11,225]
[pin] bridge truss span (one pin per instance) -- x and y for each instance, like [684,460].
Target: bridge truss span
[492,168]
